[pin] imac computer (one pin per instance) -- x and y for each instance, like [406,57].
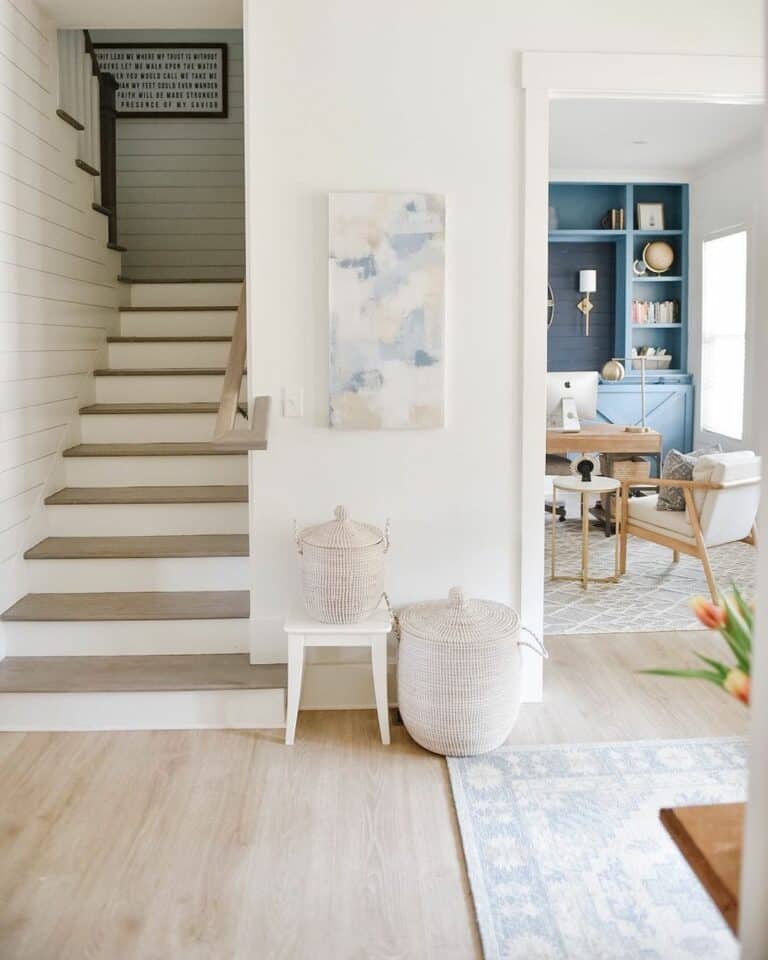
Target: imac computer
[571,396]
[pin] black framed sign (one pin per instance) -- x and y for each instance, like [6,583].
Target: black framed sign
[167,79]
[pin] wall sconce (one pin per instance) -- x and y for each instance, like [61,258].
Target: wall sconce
[587,285]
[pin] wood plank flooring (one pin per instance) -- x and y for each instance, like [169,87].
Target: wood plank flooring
[160,449]
[218,493]
[216,845]
[173,605]
[114,548]
[216,671]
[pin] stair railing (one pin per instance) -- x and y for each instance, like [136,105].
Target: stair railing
[87,103]
[226,433]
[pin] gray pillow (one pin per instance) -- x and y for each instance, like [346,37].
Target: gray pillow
[679,466]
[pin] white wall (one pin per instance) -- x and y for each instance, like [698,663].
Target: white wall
[724,196]
[408,96]
[180,198]
[57,282]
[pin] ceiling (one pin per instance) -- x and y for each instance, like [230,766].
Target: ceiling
[641,135]
[138,14]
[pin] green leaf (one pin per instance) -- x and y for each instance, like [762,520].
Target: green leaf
[744,608]
[720,668]
[737,636]
[690,674]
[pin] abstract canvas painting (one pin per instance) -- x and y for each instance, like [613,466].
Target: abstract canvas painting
[387,310]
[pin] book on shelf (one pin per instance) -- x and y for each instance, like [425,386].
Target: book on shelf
[613,220]
[649,312]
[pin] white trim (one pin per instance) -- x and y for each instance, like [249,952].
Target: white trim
[753,917]
[144,710]
[547,76]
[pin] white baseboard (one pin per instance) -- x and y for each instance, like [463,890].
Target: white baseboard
[161,710]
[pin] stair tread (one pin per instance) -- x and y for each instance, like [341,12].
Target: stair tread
[173,605]
[189,339]
[124,279]
[159,449]
[127,548]
[160,673]
[180,309]
[214,493]
[159,372]
[191,407]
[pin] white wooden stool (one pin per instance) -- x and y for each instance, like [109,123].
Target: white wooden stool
[304,632]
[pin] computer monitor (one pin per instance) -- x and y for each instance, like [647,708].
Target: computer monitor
[571,397]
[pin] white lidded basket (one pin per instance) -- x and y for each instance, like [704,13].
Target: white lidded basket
[458,673]
[342,568]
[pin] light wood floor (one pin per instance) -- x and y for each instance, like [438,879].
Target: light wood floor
[231,846]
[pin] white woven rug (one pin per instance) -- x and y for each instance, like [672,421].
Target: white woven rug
[652,596]
[566,856]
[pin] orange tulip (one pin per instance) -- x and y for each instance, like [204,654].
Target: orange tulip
[737,684]
[712,616]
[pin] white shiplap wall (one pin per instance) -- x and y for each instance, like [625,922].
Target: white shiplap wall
[58,290]
[180,182]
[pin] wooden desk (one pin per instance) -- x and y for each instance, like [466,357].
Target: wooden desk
[710,839]
[608,438]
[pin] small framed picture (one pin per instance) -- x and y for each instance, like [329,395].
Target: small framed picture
[650,216]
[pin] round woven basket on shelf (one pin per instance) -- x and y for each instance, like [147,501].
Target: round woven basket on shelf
[458,673]
[342,567]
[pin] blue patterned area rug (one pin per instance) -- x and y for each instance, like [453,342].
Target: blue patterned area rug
[567,858]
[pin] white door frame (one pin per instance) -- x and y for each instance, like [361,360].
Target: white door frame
[547,76]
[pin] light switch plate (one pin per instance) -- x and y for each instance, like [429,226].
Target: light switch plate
[293,402]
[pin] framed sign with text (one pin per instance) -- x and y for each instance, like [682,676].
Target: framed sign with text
[167,79]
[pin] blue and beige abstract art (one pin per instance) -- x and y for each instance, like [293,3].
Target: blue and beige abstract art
[387,310]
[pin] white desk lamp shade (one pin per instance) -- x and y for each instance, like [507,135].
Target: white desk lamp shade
[587,281]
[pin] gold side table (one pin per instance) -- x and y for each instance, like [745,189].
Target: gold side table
[596,487]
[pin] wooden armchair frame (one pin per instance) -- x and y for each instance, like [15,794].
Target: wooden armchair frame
[677,546]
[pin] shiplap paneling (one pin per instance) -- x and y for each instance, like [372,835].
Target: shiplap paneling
[180,186]
[58,289]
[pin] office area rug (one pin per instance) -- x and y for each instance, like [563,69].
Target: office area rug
[654,593]
[568,860]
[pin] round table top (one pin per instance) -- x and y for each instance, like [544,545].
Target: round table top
[597,484]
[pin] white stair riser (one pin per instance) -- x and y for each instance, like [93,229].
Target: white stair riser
[119,638]
[185,294]
[148,427]
[144,520]
[151,356]
[146,471]
[160,389]
[152,575]
[181,323]
[166,710]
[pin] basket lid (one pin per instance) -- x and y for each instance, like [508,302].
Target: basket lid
[341,533]
[460,619]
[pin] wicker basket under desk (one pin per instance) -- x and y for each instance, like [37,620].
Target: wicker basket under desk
[624,468]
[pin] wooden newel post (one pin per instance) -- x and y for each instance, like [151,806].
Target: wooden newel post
[107,91]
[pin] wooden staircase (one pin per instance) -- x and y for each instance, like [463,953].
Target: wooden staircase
[144,565]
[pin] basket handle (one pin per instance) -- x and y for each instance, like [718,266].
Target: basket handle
[386,535]
[537,646]
[296,537]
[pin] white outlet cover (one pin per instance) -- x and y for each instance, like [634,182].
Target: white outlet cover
[293,402]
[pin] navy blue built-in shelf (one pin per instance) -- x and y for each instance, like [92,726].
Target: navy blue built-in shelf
[578,241]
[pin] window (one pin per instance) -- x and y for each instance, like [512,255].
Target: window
[723,334]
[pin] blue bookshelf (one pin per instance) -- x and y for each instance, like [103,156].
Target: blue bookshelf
[579,210]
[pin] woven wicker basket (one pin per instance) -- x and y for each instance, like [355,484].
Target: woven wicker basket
[342,567]
[458,675]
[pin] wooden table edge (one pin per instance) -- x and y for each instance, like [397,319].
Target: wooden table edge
[726,900]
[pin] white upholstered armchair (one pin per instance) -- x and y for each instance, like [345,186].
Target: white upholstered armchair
[720,507]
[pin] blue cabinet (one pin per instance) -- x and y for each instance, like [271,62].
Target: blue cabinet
[669,409]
